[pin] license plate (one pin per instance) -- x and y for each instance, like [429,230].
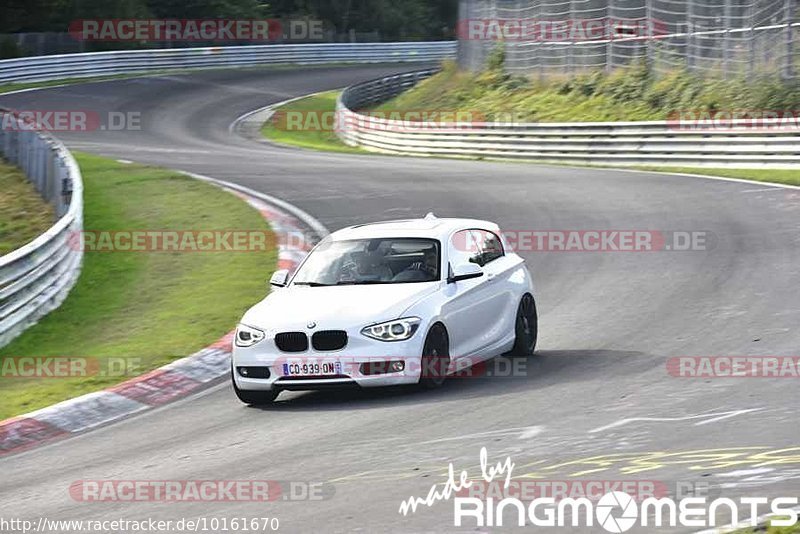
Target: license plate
[312,368]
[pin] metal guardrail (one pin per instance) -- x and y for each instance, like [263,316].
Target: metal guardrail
[45,68]
[36,278]
[737,143]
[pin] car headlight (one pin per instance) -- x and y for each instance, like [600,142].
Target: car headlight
[397,330]
[247,336]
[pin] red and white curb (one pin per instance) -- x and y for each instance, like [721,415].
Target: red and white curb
[294,230]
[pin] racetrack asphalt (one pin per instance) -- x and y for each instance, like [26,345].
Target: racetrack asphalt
[596,402]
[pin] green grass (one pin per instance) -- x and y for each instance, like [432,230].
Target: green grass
[23,213]
[780,176]
[296,124]
[794,529]
[156,306]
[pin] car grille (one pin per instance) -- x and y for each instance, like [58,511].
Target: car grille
[329,340]
[292,341]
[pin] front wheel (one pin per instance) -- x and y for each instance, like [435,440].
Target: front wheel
[435,358]
[526,328]
[254,398]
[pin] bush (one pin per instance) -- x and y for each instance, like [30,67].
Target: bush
[9,48]
[632,93]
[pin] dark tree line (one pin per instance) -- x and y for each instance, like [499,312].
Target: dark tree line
[392,19]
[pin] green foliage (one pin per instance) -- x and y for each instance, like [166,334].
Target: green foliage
[633,93]
[405,20]
[9,49]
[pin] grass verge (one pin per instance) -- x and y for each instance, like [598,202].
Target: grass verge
[23,213]
[144,309]
[778,176]
[307,123]
[794,529]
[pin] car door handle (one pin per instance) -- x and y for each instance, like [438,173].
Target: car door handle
[491,276]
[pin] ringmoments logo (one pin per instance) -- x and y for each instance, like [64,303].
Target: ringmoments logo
[615,511]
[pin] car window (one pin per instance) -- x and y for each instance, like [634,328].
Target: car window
[464,248]
[491,247]
[371,261]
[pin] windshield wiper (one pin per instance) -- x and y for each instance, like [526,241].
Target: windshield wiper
[362,282]
[347,283]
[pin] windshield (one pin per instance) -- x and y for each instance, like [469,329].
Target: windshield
[371,261]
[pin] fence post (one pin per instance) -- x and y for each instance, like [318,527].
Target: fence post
[648,14]
[789,8]
[751,45]
[571,45]
[726,38]
[690,37]
[610,29]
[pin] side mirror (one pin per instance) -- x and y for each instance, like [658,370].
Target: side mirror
[464,271]
[279,278]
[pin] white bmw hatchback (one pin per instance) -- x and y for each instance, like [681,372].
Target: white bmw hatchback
[390,303]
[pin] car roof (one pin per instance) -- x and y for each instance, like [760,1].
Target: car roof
[427,227]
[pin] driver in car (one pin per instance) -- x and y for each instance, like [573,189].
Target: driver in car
[420,271]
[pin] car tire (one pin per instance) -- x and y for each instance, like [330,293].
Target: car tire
[254,398]
[526,327]
[435,358]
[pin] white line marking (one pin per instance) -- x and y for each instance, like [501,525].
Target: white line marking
[504,431]
[724,416]
[532,432]
[747,472]
[714,417]
[307,219]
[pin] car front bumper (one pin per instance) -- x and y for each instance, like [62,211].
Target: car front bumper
[360,350]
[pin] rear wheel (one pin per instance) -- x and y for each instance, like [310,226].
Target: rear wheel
[435,358]
[526,327]
[254,398]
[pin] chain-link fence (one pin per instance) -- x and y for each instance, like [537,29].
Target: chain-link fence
[719,37]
